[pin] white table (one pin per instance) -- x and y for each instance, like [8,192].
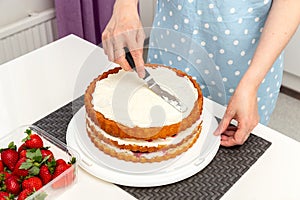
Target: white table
[38,83]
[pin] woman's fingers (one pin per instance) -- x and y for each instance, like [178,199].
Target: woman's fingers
[232,138]
[137,56]
[124,30]
[107,45]
[114,48]
[224,123]
[121,60]
[135,46]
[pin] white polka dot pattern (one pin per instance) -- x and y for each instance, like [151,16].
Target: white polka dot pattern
[229,33]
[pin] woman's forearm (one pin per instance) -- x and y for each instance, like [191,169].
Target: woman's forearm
[281,24]
[123,4]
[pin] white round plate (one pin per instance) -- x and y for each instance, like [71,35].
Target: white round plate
[126,173]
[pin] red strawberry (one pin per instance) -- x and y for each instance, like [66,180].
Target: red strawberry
[60,161]
[12,185]
[10,156]
[67,179]
[24,194]
[47,152]
[45,174]
[20,172]
[22,147]
[60,169]
[5,174]
[5,196]
[33,183]
[33,141]
[69,176]
[1,166]
[22,153]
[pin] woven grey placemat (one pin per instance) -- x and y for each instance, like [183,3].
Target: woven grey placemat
[211,183]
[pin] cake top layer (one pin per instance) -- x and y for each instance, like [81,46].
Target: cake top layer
[124,98]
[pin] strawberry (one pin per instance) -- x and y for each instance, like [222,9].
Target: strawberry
[30,165]
[33,141]
[69,176]
[18,171]
[22,153]
[33,183]
[22,147]
[60,161]
[60,169]
[47,152]
[1,166]
[10,156]
[12,185]
[5,174]
[5,196]
[45,174]
[24,194]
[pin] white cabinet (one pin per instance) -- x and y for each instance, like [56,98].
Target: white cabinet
[291,75]
[147,11]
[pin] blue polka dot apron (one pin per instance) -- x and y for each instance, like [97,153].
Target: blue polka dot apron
[214,41]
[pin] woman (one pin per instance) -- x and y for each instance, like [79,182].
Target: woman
[244,39]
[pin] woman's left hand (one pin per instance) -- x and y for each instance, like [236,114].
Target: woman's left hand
[243,108]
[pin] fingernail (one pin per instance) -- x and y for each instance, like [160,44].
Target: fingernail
[142,73]
[217,132]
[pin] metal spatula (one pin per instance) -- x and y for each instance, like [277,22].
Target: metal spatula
[152,85]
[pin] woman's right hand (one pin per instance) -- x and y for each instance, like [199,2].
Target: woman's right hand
[125,30]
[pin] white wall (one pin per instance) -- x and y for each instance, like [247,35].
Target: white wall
[14,10]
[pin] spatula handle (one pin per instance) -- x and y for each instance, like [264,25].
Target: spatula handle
[130,60]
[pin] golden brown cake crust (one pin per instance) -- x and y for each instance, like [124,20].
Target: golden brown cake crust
[119,130]
[170,152]
[136,148]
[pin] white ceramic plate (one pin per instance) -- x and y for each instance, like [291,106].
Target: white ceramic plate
[126,173]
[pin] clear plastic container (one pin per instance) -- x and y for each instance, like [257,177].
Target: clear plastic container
[60,150]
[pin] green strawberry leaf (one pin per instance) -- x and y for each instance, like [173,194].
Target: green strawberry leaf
[12,145]
[11,196]
[38,156]
[34,171]
[30,154]
[51,165]
[31,150]
[35,155]
[72,161]
[45,159]
[3,187]
[2,177]
[28,132]
[26,165]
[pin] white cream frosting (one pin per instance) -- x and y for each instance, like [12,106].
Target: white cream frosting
[143,143]
[124,97]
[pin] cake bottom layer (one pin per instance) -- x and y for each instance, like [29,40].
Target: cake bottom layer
[143,157]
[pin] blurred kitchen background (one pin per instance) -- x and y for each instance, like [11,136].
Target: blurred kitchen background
[26,25]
